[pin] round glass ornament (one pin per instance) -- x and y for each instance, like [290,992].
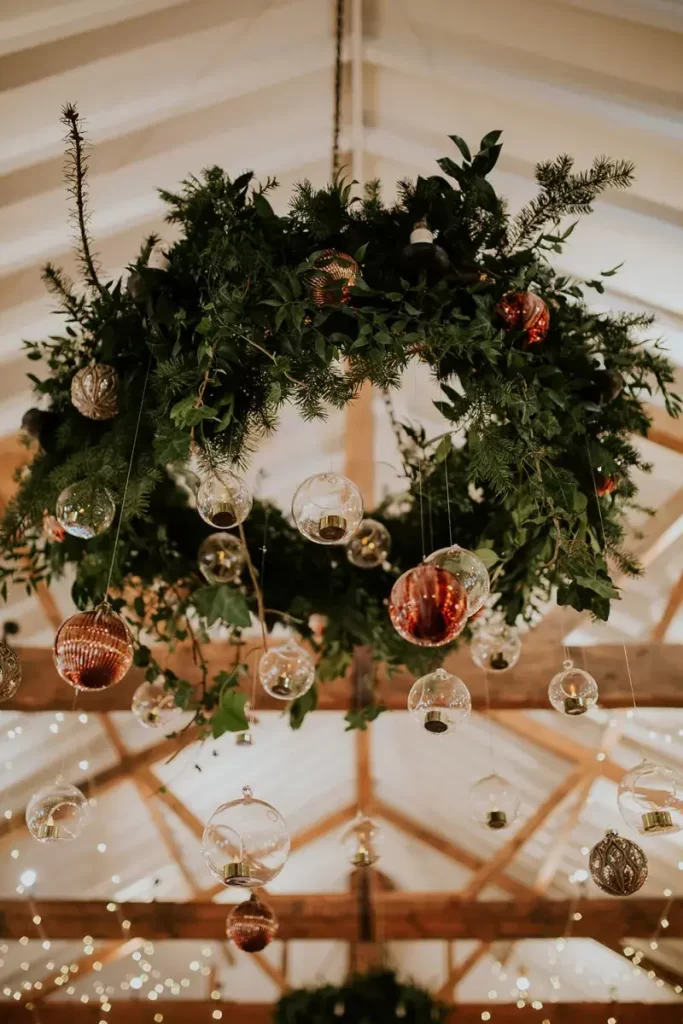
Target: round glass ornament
[496,646]
[650,799]
[155,707]
[85,509]
[494,802]
[251,925]
[369,546]
[617,865]
[287,671]
[10,672]
[221,558]
[572,691]
[93,650]
[440,702]
[327,508]
[57,813]
[361,840]
[246,842]
[428,606]
[94,391]
[469,569]
[224,499]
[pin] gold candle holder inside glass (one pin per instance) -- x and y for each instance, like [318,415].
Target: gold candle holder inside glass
[282,686]
[49,831]
[575,706]
[496,819]
[435,721]
[332,527]
[657,821]
[224,516]
[237,873]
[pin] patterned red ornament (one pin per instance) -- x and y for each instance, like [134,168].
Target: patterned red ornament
[605,485]
[332,266]
[525,311]
[251,925]
[93,650]
[428,606]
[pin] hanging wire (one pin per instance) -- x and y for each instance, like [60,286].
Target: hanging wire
[264,548]
[448,504]
[339,39]
[422,518]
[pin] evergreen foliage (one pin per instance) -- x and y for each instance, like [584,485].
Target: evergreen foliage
[230,334]
[375,997]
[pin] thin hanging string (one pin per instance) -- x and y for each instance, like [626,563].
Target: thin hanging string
[339,40]
[130,469]
[62,766]
[489,723]
[448,504]
[422,517]
[264,549]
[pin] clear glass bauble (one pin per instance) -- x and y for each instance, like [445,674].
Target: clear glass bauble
[57,813]
[572,691]
[650,799]
[469,569]
[85,509]
[428,606]
[287,671]
[496,646]
[440,702]
[370,545]
[155,707]
[224,499]
[361,841]
[10,672]
[327,508]
[221,558]
[494,802]
[246,842]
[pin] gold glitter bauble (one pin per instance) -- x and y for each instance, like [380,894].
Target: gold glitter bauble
[93,650]
[251,925]
[618,866]
[332,266]
[94,391]
[10,672]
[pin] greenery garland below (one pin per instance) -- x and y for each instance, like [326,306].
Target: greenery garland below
[364,999]
[229,332]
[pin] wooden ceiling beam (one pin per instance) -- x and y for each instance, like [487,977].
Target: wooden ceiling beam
[655,668]
[180,1011]
[401,916]
[669,614]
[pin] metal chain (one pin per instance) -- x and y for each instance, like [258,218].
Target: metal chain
[337,87]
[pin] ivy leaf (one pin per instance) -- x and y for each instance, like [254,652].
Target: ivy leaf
[230,717]
[301,707]
[171,444]
[488,556]
[221,603]
[142,656]
[462,146]
[361,718]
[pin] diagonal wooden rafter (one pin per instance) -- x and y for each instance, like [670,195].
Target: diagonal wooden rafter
[669,614]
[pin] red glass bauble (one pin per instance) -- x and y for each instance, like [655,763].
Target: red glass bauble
[332,266]
[428,606]
[93,650]
[605,485]
[525,311]
[251,925]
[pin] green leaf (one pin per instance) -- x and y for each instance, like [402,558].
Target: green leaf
[221,603]
[230,717]
[359,255]
[301,707]
[142,656]
[443,449]
[360,718]
[488,556]
[462,146]
[450,168]
[490,139]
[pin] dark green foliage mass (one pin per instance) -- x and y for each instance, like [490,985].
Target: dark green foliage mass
[375,997]
[219,342]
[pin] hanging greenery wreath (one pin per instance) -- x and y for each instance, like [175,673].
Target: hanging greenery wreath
[378,996]
[533,469]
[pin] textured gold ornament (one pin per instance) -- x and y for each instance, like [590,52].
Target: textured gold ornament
[251,925]
[93,650]
[332,266]
[94,391]
[618,866]
[10,672]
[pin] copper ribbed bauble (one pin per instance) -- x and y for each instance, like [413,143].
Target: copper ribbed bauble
[332,266]
[251,925]
[93,650]
[428,606]
[618,866]
[94,391]
[525,311]
[604,485]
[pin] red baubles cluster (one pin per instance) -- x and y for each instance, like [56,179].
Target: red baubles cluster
[527,312]
[428,606]
[251,925]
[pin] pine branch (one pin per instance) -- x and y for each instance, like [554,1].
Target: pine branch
[76,172]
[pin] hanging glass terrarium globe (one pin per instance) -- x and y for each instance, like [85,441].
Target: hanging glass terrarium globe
[496,646]
[440,702]
[370,545]
[85,509]
[224,499]
[494,802]
[469,569]
[650,799]
[155,708]
[572,691]
[246,842]
[57,813]
[361,841]
[327,508]
[287,672]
